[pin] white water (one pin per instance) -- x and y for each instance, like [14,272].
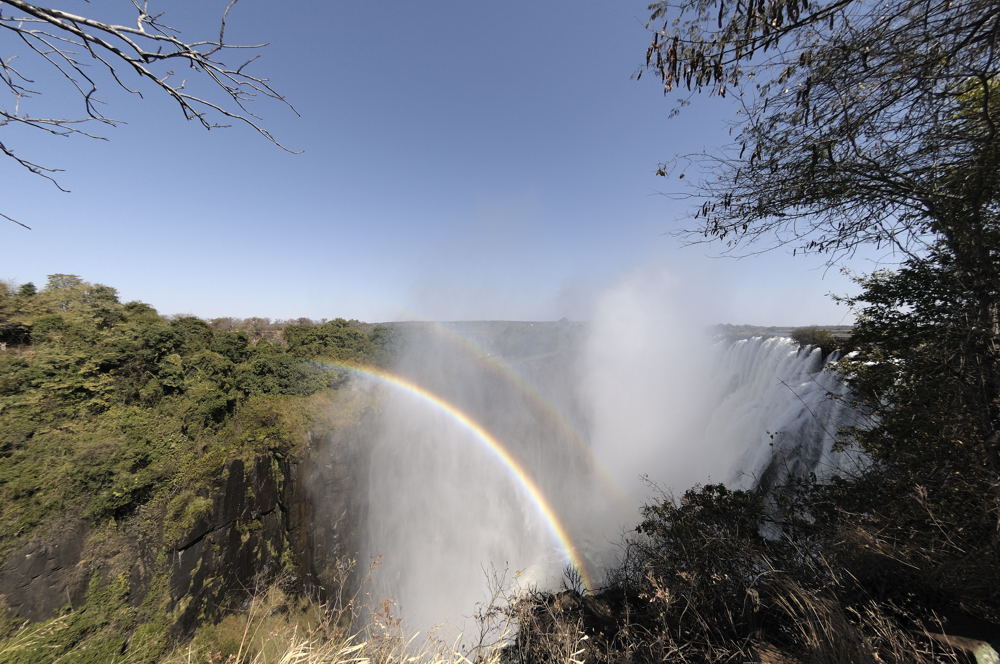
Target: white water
[777,411]
[444,516]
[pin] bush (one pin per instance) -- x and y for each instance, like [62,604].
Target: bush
[723,575]
[816,337]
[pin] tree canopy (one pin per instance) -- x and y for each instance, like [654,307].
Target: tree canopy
[861,121]
[78,364]
[875,123]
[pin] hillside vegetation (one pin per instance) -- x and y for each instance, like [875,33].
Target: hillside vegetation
[150,513]
[117,426]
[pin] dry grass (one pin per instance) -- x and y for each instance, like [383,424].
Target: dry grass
[827,632]
[29,637]
[282,628]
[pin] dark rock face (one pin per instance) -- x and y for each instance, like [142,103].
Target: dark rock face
[41,576]
[242,538]
[328,507]
[268,516]
[274,516]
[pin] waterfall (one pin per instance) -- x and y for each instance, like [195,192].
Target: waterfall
[503,452]
[779,409]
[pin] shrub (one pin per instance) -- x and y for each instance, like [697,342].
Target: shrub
[723,575]
[816,337]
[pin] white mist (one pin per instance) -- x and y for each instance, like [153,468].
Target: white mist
[644,400]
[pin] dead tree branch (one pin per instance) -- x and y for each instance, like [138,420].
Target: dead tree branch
[135,58]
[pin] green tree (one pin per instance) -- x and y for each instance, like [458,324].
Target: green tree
[913,330]
[876,124]
[862,123]
[337,338]
[933,494]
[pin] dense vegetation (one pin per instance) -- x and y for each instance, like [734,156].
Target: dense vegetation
[860,124]
[121,419]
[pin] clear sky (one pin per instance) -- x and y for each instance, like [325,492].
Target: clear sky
[461,160]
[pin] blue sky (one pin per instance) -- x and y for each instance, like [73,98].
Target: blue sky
[461,160]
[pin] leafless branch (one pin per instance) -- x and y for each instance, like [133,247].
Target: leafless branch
[68,44]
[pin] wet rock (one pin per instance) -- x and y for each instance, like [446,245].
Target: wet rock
[240,539]
[43,575]
[264,517]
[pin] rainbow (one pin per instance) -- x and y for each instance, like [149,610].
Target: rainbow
[535,399]
[527,484]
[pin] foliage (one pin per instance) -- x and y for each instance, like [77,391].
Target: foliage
[104,402]
[336,338]
[922,373]
[115,415]
[851,113]
[817,337]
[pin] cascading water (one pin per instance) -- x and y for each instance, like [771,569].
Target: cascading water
[533,445]
[449,509]
[779,410]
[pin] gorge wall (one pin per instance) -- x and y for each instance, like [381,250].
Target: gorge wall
[255,520]
[491,454]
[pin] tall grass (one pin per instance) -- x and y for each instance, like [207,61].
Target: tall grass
[278,627]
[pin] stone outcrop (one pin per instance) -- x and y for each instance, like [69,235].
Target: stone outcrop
[973,651]
[264,517]
[42,575]
[242,537]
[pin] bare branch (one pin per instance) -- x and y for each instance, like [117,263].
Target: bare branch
[851,115]
[65,42]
